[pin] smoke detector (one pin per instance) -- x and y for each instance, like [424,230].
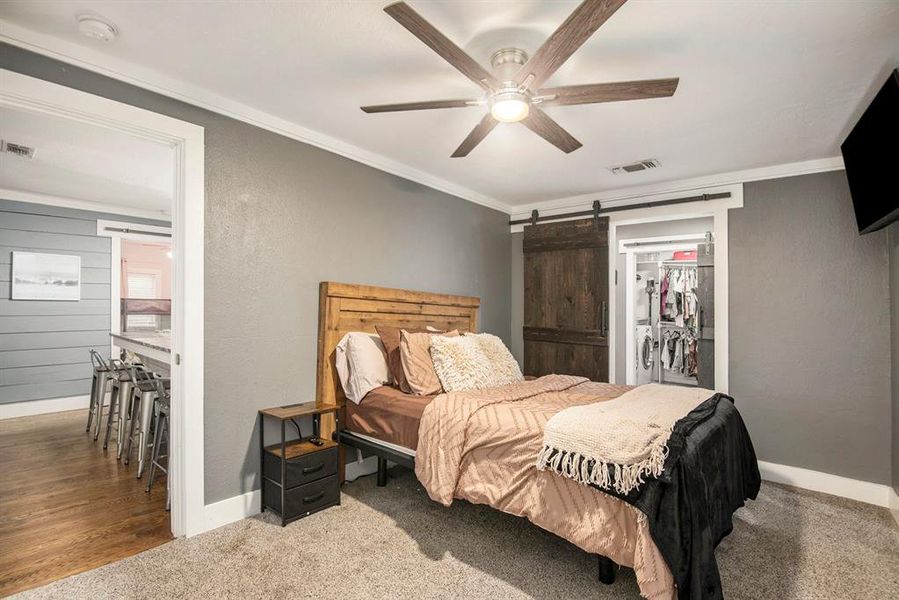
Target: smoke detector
[96,28]
[17,149]
[649,163]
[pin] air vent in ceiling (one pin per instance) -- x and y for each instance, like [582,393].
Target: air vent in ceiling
[17,149]
[643,165]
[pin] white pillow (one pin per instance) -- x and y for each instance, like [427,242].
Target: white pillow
[361,364]
[473,362]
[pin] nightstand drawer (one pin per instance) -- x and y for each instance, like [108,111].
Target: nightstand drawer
[303,499]
[301,469]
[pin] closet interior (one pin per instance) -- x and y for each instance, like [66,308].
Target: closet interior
[667,316]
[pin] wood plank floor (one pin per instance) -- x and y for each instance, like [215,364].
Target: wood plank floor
[66,506]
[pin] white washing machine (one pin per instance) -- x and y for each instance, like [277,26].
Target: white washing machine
[645,360]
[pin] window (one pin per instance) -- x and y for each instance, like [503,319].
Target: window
[142,285]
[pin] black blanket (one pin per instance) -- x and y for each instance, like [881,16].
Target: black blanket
[710,471]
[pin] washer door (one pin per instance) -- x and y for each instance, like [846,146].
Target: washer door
[646,352]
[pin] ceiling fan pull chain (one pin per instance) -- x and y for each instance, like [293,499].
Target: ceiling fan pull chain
[526,83]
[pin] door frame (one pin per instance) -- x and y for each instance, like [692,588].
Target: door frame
[658,244]
[718,210]
[115,262]
[188,212]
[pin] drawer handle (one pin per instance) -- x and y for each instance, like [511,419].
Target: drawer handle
[314,497]
[307,470]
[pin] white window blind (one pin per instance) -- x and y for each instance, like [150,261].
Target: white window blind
[142,285]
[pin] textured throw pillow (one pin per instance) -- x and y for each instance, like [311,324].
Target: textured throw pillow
[473,362]
[415,355]
[504,366]
[361,364]
[390,338]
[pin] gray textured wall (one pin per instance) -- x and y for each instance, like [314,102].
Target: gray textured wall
[810,328]
[893,235]
[517,312]
[280,217]
[43,344]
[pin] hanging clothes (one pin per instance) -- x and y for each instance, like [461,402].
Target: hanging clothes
[678,352]
[677,297]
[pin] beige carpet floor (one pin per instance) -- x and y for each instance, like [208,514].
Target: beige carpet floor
[395,543]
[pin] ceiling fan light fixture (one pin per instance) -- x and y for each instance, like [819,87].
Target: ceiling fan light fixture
[509,107]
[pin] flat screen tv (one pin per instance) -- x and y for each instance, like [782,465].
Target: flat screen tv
[870,154]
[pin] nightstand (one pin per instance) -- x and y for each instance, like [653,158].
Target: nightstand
[299,477]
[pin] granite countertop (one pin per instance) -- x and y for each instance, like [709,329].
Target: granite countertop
[158,340]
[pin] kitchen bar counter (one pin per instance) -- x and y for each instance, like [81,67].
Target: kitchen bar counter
[154,349]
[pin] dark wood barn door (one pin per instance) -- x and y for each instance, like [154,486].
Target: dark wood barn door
[566,293]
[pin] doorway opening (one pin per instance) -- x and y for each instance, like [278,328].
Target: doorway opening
[655,234]
[667,300]
[118,192]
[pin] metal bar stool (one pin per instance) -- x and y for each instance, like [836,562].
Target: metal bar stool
[118,402]
[98,391]
[160,431]
[143,396]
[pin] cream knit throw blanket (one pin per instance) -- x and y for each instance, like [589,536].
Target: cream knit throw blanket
[615,444]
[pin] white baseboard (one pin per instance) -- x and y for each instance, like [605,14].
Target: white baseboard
[42,407]
[232,509]
[863,491]
[246,505]
[894,505]
[357,469]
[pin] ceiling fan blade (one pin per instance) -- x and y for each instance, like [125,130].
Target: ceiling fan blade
[577,28]
[425,105]
[593,93]
[439,43]
[476,136]
[540,123]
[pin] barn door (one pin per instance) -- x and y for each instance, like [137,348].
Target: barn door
[566,298]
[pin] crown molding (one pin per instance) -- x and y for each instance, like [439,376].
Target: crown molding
[154,81]
[629,195]
[99,207]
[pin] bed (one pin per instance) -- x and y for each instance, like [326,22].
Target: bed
[492,460]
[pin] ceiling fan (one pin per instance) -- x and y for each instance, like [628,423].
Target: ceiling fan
[513,90]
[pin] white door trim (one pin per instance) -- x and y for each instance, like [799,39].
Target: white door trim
[187,141]
[717,209]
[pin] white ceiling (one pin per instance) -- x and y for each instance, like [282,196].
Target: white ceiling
[87,163]
[761,82]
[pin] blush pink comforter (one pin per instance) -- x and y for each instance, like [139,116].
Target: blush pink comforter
[482,447]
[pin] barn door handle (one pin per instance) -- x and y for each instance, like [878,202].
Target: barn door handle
[604,319]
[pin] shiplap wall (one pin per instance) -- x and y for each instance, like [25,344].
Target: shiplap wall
[44,345]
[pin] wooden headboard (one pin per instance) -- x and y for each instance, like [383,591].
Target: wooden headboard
[345,307]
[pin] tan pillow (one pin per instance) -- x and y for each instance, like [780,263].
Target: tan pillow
[390,339]
[415,356]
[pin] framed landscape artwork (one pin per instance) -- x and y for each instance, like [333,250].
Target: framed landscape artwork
[46,276]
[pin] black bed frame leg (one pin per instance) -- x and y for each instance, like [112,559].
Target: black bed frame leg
[607,569]
[382,471]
